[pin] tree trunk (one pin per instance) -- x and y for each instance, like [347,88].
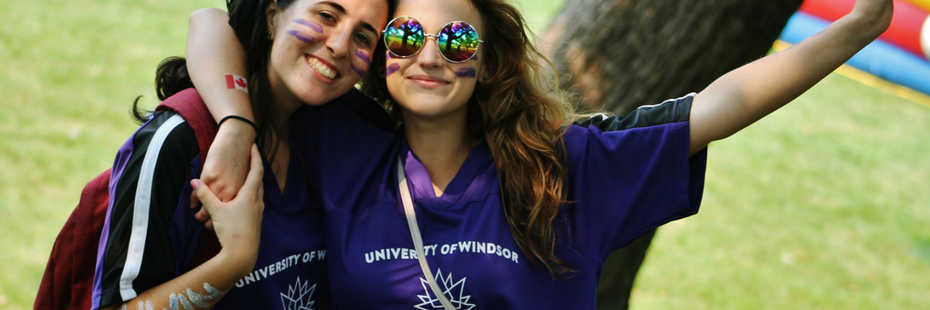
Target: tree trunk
[621,54]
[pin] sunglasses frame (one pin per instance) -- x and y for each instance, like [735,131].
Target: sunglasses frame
[425,35]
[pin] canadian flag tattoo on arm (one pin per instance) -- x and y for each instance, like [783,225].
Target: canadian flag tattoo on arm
[237,82]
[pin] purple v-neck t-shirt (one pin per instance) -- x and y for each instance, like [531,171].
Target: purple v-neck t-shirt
[622,184]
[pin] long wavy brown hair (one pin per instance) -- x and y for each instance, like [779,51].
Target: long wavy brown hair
[521,114]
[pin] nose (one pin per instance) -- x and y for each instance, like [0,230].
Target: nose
[338,42]
[429,54]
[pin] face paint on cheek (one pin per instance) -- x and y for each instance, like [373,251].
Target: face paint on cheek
[359,71]
[392,68]
[300,36]
[467,72]
[312,25]
[390,56]
[363,56]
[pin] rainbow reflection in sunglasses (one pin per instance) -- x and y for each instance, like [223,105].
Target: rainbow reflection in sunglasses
[458,41]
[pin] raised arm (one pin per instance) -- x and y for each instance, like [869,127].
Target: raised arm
[213,52]
[238,228]
[752,91]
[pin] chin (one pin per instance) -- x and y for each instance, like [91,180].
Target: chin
[316,100]
[315,94]
[317,97]
[433,109]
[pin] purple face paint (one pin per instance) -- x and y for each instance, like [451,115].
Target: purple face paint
[301,36]
[359,71]
[468,72]
[363,56]
[314,26]
[390,56]
[475,58]
[392,68]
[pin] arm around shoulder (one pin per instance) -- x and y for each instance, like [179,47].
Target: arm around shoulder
[214,56]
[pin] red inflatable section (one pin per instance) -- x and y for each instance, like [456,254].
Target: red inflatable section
[904,31]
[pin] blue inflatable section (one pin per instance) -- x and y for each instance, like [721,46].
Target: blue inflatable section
[878,58]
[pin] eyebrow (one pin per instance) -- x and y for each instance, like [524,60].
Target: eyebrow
[338,7]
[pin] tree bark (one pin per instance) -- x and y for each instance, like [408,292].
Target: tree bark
[620,54]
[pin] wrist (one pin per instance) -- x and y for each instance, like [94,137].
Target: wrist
[238,262]
[238,130]
[868,24]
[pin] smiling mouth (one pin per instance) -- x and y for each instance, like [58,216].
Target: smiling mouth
[428,80]
[321,68]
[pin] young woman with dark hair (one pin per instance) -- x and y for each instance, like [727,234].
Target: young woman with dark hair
[298,52]
[517,207]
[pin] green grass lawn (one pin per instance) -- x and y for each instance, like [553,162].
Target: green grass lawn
[822,205]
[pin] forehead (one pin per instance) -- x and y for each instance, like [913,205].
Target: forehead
[373,12]
[433,14]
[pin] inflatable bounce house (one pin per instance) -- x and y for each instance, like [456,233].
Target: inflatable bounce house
[899,61]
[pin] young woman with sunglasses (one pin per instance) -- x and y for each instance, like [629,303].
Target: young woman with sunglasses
[273,252]
[518,209]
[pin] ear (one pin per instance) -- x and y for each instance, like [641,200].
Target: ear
[271,11]
[482,73]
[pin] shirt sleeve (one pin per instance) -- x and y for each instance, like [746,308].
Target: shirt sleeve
[139,253]
[631,179]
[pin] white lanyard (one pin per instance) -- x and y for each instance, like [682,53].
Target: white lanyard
[415,234]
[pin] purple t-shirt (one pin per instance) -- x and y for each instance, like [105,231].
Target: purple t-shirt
[622,184]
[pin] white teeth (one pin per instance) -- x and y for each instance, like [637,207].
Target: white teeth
[321,68]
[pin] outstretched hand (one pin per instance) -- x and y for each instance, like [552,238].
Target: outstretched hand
[877,13]
[238,222]
[745,95]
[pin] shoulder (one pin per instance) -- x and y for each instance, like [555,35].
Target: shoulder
[667,112]
[649,131]
[169,133]
[353,118]
[363,108]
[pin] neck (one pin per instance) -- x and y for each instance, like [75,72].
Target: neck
[284,107]
[284,104]
[441,144]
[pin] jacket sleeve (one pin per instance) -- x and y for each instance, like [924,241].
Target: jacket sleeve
[140,243]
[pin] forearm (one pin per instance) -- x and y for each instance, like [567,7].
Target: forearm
[199,288]
[213,51]
[752,91]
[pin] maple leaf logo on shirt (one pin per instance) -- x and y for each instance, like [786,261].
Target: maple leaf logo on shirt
[298,296]
[455,292]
